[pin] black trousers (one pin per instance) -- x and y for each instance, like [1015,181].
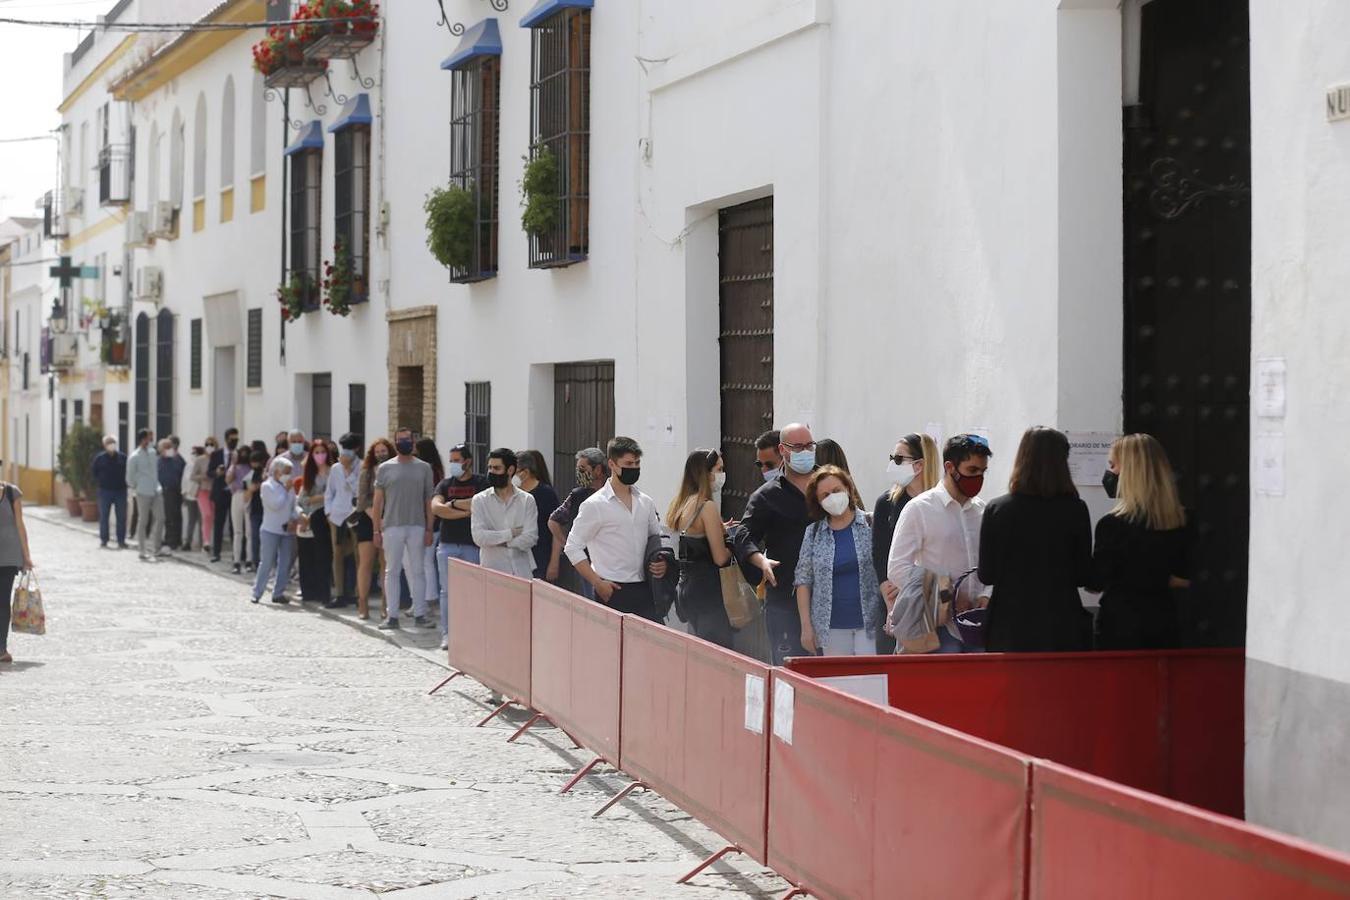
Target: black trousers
[7,576]
[173,517]
[316,561]
[222,504]
[634,598]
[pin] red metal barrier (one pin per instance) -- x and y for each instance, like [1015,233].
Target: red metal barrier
[1167,722]
[490,632]
[871,802]
[576,671]
[694,730]
[1093,838]
[464,582]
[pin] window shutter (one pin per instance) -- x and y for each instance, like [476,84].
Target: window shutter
[255,323]
[195,362]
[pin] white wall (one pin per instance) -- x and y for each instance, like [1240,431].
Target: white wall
[1298,767]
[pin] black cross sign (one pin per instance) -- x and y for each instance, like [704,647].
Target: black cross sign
[66,272]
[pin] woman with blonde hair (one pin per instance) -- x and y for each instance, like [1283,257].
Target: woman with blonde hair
[914,466]
[697,523]
[837,589]
[1142,549]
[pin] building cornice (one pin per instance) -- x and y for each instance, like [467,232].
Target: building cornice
[186,50]
[98,72]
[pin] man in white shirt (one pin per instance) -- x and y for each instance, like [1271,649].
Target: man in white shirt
[504,520]
[939,531]
[613,527]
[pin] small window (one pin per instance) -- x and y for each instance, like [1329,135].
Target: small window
[478,421]
[164,362]
[195,361]
[560,129]
[254,363]
[65,421]
[123,423]
[356,409]
[306,221]
[321,405]
[141,379]
[475,103]
[351,203]
[79,412]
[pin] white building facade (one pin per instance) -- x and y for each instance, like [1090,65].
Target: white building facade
[30,437]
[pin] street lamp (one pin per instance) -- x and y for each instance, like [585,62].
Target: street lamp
[58,318]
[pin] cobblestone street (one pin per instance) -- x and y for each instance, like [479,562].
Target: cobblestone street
[167,738]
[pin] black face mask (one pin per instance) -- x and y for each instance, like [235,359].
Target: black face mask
[630,475]
[1110,481]
[499,479]
[232,442]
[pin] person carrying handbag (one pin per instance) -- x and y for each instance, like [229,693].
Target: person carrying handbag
[14,557]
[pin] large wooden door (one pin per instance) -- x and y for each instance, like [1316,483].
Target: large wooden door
[583,415]
[745,338]
[1188,284]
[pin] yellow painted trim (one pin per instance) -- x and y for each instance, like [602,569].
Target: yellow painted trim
[227,205]
[113,219]
[257,188]
[98,73]
[199,214]
[186,51]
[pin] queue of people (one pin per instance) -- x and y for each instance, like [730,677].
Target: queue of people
[931,567]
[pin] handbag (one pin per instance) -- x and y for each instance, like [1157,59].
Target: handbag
[932,616]
[26,613]
[739,598]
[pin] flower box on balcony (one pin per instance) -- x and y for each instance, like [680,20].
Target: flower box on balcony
[346,27]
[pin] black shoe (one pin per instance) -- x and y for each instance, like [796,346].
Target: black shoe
[333,604]
[103,545]
[389,625]
[255,599]
[236,568]
[122,545]
[215,559]
[250,567]
[283,599]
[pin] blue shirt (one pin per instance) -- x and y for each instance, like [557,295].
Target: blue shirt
[846,603]
[110,471]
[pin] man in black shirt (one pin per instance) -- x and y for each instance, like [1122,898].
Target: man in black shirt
[450,504]
[217,469]
[769,539]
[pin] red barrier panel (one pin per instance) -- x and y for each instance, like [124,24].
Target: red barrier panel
[577,647]
[507,610]
[1167,722]
[685,731]
[871,802]
[1092,838]
[467,636]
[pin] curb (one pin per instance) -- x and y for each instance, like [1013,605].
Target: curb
[201,564]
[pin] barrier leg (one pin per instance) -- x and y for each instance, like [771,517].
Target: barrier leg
[496,712]
[581,773]
[526,727]
[795,892]
[729,848]
[453,676]
[617,797]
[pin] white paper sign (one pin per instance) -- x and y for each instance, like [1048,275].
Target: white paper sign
[1268,459]
[1088,451]
[754,703]
[783,702]
[872,688]
[1270,388]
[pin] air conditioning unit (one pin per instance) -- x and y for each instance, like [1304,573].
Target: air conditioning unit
[138,229]
[150,283]
[161,220]
[65,350]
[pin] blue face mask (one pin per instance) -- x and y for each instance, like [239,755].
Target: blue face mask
[297,449]
[456,470]
[771,474]
[803,462]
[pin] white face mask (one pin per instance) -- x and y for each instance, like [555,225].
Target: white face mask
[719,479]
[515,480]
[900,475]
[835,503]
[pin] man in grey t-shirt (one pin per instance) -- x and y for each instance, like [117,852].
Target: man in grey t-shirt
[402,519]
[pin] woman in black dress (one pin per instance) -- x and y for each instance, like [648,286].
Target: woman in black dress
[914,466]
[1142,551]
[694,517]
[1036,551]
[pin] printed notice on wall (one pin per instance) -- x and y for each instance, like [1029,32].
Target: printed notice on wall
[754,703]
[1088,451]
[1270,390]
[1268,460]
[874,688]
[783,699]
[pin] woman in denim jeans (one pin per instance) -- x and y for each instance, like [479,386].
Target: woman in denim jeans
[279,515]
[837,589]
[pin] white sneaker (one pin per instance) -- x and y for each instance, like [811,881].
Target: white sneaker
[445,644]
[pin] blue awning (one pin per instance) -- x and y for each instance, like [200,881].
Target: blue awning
[545,8]
[482,39]
[356,112]
[310,138]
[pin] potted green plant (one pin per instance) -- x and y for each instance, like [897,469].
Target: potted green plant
[539,193]
[450,225]
[292,295]
[74,463]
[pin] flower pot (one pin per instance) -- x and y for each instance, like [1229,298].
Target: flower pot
[73,507]
[89,510]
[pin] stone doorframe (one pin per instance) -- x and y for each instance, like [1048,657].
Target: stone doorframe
[412,342]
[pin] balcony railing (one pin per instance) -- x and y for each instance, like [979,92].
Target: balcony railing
[114,175]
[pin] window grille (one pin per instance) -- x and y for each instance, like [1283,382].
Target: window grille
[306,220]
[351,202]
[475,115]
[560,124]
[478,421]
[254,362]
[195,364]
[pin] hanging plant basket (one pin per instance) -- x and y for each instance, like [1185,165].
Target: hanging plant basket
[450,227]
[358,22]
[539,193]
[342,286]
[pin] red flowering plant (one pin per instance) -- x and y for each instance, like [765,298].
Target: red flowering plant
[363,16]
[291,295]
[342,285]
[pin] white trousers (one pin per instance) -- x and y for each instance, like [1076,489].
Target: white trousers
[404,548]
[849,642]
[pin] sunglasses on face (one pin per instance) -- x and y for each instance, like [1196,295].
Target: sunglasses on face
[900,459]
[765,466]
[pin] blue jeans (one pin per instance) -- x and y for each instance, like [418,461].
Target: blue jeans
[784,625]
[254,530]
[110,499]
[444,553]
[276,553]
[947,643]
